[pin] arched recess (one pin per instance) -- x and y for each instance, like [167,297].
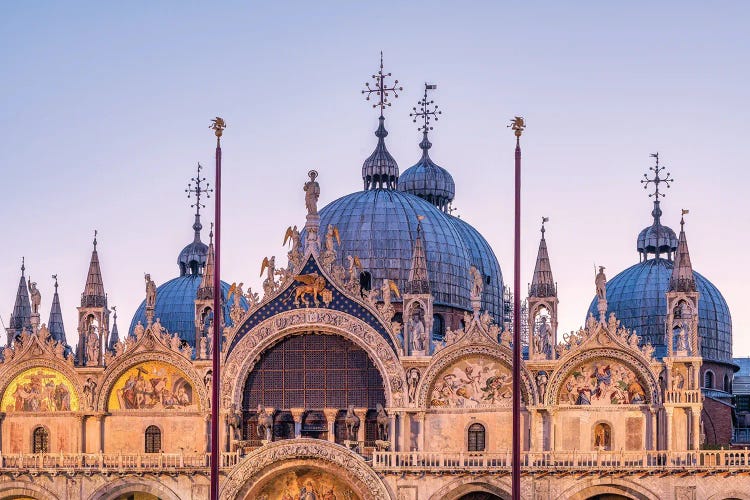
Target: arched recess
[730,495]
[644,376]
[7,377]
[22,489]
[118,369]
[254,473]
[455,490]
[453,354]
[243,357]
[584,490]
[132,484]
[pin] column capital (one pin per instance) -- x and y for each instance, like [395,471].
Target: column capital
[330,413]
[297,414]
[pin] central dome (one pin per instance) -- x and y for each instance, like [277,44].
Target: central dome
[379,227]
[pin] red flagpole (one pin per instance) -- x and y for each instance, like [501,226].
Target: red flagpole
[218,126]
[516,457]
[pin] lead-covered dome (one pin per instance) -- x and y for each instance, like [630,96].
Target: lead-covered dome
[656,239]
[428,180]
[379,226]
[638,298]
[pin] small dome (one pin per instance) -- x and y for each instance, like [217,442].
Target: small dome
[192,258]
[379,227]
[657,239]
[638,298]
[380,170]
[429,181]
[175,307]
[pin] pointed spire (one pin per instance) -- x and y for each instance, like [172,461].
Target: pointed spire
[114,336]
[20,318]
[55,323]
[206,289]
[419,281]
[93,293]
[682,279]
[542,284]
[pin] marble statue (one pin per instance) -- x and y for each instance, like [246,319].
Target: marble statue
[233,421]
[36,297]
[150,291]
[88,390]
[383,423]
[265,424]
[417,330]
[139,329]
[477,283]
[352,423]
[269,267]
[92,346]
[312,193]
[412,380]
[682,342]
[601,284]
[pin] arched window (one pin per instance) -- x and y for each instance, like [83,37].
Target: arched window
[476,437]
[708,379]
[438,327]
[40,442]
[153,439]
[727,388]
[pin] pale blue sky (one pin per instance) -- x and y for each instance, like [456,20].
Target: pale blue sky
[105,112]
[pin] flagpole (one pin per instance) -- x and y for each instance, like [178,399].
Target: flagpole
[517,125]
[218,125]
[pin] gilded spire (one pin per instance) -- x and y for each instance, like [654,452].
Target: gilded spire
[55,323]
[419,281]
[93,292]
[682,279]
[206,289]
[542,284]
[380,170]
[20,318]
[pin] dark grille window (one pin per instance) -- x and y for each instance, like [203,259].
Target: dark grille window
[41,440]
[476,437]
[153,439]
[314,371]
[708,382]
[743,403]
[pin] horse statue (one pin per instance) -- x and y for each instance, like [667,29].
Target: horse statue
[352,424]
[383,423]
[265,424]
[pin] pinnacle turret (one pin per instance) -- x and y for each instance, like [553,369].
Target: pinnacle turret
[682,279]
[542,284]
[206,289]
[55,323]
[93,292]
[419,281]
[20,318]
[114,335]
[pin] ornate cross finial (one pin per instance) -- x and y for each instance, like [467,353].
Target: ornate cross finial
[424,112]
[381,88]
[657,170]
[195,187]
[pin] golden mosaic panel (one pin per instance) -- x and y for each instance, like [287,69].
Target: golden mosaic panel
[153,385]
[40,390]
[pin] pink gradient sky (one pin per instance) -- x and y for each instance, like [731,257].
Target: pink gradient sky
[105,112]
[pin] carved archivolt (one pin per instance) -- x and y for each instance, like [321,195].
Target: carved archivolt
[245,354]
[262,462]
[125,362]
[644,374]
[453,354]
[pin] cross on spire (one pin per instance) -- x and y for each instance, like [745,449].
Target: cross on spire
[195,188]
[381,88]
[424,112]
[657,179]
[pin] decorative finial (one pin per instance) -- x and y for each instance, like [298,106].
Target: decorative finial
[381,88]
[544,219]
[657,179]
[211,234]
[682,218]
[195,187]
[218,125]
[426,114]
[23,265]
[114,310]
[518,125]
[95,234]
[54,277]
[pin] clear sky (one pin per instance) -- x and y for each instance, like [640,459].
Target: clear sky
[105,109]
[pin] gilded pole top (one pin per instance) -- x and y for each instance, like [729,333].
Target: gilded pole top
[218,125]
[518,125]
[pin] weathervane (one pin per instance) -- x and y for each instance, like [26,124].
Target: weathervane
[517,125]
[198,190]
[657,170]
[424,111]
[381,88]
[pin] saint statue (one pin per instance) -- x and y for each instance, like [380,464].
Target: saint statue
[416,328]
[92,346]
[312,193]
[150,291]
[601,284]
[477,283]
[36,297]
[682,343]
[545,337]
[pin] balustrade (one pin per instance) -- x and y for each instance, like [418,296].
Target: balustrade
[113,461]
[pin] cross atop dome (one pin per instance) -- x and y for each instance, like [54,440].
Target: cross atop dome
[657,179]
[196,188]
[381,88]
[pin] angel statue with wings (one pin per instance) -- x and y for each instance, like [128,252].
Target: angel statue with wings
[295,255]
[269,267]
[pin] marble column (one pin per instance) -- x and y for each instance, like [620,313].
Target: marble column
[696,426]
[668,427]
[297,416]
[330,414]
[654,442]
[392,430]
[420,437]
[362,414]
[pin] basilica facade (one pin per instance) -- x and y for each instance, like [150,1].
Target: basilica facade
[375,363]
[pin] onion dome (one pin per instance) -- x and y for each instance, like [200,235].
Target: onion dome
[380,170]
[428,180]
[192,258]
[656,239]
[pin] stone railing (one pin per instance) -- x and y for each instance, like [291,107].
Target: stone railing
[680,396]
[558,460]
[114,461]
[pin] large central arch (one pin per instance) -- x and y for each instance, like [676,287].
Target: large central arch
[243,357]
[261,466]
